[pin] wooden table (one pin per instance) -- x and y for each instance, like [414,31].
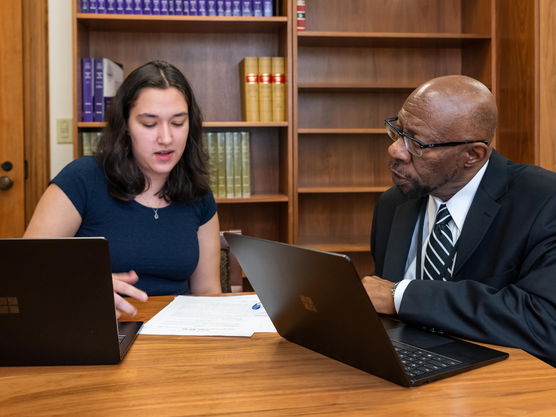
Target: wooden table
[264,376]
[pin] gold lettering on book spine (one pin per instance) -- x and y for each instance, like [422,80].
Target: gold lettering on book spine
[265,89]
[278,83]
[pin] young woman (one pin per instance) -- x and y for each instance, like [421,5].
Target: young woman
[146,190]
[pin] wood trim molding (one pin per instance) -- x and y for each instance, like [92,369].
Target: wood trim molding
[36,101]
[546,84]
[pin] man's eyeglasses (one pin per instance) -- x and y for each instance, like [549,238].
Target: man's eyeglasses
[415,146]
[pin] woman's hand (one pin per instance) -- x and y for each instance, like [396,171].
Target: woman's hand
[123,284]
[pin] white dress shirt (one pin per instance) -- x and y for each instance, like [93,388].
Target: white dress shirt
[458,206]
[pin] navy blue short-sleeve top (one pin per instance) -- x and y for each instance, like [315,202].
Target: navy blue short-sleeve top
[164,252]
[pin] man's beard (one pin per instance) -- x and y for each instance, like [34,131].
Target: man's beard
[414,188]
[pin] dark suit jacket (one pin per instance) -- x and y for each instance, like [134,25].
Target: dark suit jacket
[504,285]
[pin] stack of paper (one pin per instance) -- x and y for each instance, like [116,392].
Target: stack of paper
[240,315]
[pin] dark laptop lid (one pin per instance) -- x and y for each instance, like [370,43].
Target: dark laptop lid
[60,303]
[317,300]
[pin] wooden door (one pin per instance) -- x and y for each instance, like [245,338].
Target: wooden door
[12,201]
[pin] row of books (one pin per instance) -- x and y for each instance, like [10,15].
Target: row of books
[230,163]
[181,7]
[263,89]
[100,80]
[89,141]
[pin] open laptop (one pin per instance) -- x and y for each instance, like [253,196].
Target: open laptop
[316,299]
[57,304]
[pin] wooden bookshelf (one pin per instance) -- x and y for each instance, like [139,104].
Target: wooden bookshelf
[317,177]
[354,66]
[208,51]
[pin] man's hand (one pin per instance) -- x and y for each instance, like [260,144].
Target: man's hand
[380,292]
[123,284]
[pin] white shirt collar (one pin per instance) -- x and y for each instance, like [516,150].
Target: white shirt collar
[459,204]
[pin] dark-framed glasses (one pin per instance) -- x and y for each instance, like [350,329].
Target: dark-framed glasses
[415,146]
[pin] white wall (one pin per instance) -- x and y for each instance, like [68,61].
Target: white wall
[61,88]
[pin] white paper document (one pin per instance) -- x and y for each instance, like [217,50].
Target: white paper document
[239,315]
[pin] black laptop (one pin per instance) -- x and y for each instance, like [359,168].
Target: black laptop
[57,304]
[316,299]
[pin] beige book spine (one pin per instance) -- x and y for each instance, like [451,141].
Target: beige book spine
[265,89]
[278,89]
[245,165]
[237,165]
[221,158]
[249,68]
[229,165]
[86,144]
[212,150]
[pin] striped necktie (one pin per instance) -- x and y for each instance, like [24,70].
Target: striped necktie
[440,248]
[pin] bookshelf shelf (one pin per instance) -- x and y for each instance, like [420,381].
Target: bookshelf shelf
[245,124]
[340,190]
[181,24]
[341,131]
[99,125]
[355,87]
[91,125]
[255,198]
[389,40]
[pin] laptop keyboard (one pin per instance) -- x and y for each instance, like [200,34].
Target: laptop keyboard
[121,337]
[418,362]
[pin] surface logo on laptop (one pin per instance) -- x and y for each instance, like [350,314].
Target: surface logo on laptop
[308,303]
[9,305]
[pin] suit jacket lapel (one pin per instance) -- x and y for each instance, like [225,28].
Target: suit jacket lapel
[483,210]
[403,225]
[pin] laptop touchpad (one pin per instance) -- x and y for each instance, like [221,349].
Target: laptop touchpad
[417,337]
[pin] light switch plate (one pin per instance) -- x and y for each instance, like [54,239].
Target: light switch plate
[64,131]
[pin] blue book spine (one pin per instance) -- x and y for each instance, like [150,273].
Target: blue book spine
[147,7]
[101,6]
[138,7]
[120,6]
[84,6]
[202,7]
[171,7]
[268,8]
[258,8]
[87,89]
[156,7]
[93,6]
[236,7]
[193,9]
[247,7]
[164,7]
[111,6]
[227,7]
[178,7]
[128,6]
[220,8]
[98,115]
[185,7]
[211,8]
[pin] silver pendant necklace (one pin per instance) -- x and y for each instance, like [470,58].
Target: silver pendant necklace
[155,210]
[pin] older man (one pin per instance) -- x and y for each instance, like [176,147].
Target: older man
[466,240]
